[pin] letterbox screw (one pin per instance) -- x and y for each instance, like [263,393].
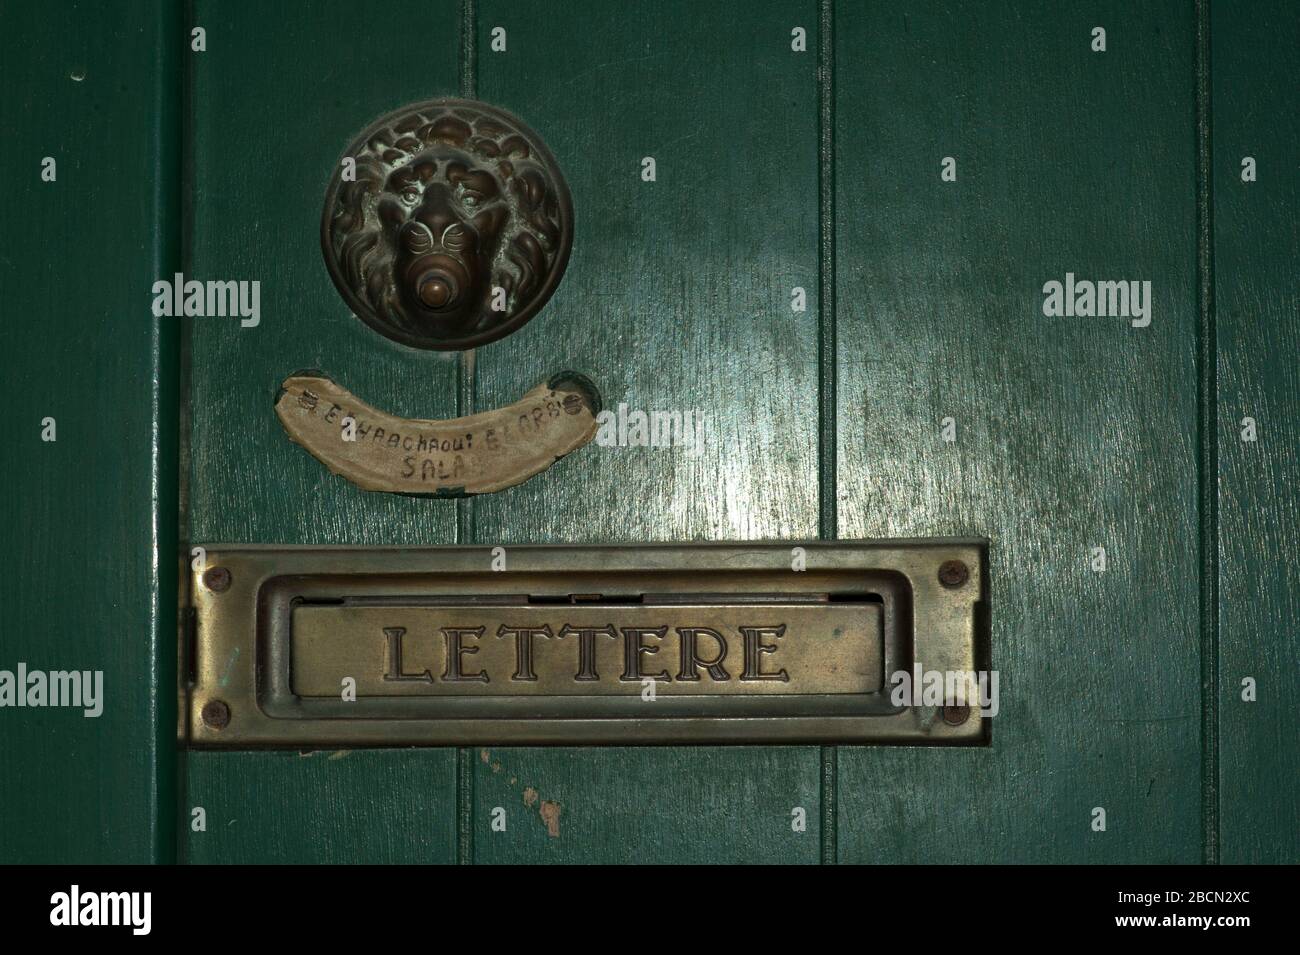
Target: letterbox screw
[216,579]
[953,573]
[216,714]
[956,715]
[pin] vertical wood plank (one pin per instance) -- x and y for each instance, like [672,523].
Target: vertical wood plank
[276,100]
[1254,63]
[1072,433]
[85,562]
[677,298]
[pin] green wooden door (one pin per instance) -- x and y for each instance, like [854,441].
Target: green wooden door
[919,172]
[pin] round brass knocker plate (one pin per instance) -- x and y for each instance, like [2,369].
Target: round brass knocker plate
[450,228]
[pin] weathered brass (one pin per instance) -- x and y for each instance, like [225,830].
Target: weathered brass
[583,644]
[447,224]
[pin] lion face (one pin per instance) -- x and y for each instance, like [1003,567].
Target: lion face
[455,230]
[444,220]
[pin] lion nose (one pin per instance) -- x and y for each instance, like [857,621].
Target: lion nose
[437,289]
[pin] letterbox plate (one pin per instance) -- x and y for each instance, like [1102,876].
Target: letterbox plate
[772,642]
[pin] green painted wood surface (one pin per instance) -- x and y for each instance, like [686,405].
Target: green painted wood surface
[673,300]
[1256,58]
[274,104]
[79,585]
[1071,432]
[678,292]
[647,805]
[343,807]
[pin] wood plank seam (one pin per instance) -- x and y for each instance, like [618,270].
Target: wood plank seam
[1208,451]
[173,846]
[827,496]
[465,401]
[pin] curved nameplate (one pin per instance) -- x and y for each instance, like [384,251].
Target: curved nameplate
[476,454]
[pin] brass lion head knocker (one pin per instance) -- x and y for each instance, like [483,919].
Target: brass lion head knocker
[456,228]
